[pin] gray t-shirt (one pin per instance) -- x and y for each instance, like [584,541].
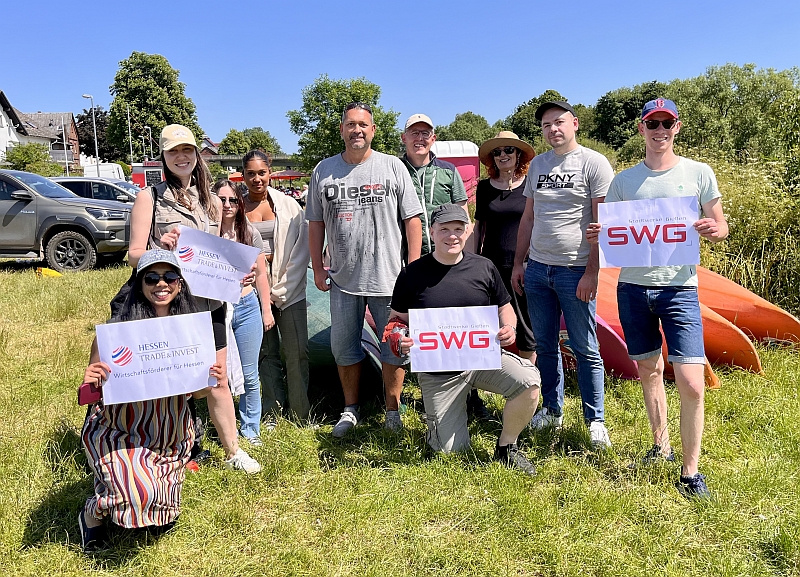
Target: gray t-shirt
[687,178]
[562,189]
[362,206]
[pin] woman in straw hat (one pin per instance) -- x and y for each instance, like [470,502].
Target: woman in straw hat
[499,206]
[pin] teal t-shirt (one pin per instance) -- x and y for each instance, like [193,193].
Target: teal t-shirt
[687,178]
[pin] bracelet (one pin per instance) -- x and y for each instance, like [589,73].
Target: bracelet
[512,328]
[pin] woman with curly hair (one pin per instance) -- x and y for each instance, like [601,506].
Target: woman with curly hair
[499,205]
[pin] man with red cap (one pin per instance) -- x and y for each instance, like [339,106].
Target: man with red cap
[666,296]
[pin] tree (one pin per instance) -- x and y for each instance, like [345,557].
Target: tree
[617,112]
[468,126]
[317,122]
[33,157]
[108,152]
[156,97]
[241,142]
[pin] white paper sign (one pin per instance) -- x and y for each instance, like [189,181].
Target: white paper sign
[454,339]
[652,232]
[213,266]
[156,358]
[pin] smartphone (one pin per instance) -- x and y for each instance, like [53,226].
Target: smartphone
[89,394]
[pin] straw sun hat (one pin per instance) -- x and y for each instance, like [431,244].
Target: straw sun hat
[505,138]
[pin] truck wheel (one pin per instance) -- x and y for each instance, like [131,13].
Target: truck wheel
[70,251]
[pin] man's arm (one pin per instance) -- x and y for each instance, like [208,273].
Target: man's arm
[714,227]
[523,243]
[508,325]
[413,237]
[316,239]
[587,286]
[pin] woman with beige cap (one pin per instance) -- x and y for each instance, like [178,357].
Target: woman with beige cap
[499,205]
[185,199]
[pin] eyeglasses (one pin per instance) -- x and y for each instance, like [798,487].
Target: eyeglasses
[425,134]
[507,149]
[653,124]
[153,278]
[232,200]
[354,105]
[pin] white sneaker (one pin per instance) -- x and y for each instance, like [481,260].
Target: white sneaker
[599,435]
[543,420]
[244,462]
[393,422]
[347,421]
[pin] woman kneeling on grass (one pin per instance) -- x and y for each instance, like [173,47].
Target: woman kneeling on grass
[138,450]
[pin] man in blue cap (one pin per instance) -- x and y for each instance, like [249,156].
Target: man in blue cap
[667,295]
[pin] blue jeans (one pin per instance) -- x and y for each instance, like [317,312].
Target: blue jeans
[551,292]
[248,330]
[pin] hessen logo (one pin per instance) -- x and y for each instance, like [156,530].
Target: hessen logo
[670,233]
[121,356]
[473,339]
[186,253]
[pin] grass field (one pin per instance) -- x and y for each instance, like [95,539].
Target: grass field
[374,504]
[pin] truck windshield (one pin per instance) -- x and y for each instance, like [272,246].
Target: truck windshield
[42,185]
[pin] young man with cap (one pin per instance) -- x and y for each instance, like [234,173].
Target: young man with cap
[437,182]
[356,198]
[667,295]
[564,187]
[450,277]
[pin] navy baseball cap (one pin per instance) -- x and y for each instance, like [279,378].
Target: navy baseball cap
[660,105]
[449,213]
[544,107]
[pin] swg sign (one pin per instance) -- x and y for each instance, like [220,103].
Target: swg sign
[652,232]
[454,339]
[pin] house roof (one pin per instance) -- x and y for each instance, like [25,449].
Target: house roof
[45,124]
[12,113]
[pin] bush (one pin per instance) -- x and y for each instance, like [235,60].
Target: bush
[632,151]
[126,168]
[33,157]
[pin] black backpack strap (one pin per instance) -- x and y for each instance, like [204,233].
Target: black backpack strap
[157,190]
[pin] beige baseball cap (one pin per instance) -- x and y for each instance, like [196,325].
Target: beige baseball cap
[414,118]
[175,134]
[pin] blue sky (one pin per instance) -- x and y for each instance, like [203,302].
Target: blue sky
[245,63]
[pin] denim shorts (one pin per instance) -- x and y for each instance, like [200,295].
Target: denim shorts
[678,310]
[347,322]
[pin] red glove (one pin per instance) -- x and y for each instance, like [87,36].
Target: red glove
[395,330]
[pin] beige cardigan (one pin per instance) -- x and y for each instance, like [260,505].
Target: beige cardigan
[290,255]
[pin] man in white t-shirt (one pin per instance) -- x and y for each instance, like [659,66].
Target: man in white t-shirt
[666,296]
[563,189]
[358,199]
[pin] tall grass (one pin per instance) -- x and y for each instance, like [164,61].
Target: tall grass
[375,503]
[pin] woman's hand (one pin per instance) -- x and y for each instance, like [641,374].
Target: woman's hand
[250,278]
[216,371]
[96,373]
[170,240]
[268,318]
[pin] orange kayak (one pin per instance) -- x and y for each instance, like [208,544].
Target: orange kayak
[756,317]
[724,342]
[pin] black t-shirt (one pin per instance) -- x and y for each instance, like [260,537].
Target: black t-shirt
[499,211]
[428,284]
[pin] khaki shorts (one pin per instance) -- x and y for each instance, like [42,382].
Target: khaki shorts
[445,397]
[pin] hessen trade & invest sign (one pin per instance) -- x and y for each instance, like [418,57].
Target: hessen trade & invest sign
[454,339]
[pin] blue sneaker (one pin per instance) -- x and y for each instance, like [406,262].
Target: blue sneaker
[694,487]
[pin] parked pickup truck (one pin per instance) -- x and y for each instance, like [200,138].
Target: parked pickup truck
[41,219]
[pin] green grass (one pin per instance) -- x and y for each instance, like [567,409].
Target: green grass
[374,504]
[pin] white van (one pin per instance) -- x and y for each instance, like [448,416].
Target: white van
[107,170]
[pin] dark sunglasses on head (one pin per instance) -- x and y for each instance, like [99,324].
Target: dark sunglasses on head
[354,105]
[667,124]
[169,277]
[232,200]
[506,149]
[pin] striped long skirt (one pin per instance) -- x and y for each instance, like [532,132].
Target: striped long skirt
[138,452]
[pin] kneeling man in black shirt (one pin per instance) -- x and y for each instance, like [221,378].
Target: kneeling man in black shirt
[449,277]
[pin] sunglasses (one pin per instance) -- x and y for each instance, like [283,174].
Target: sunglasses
[232,201]
[507,149]
[153,278]
[653,124]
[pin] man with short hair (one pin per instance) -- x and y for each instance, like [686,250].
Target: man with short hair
[355,198]
[450,277]
[437,182]
[667,295]
[563,189]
